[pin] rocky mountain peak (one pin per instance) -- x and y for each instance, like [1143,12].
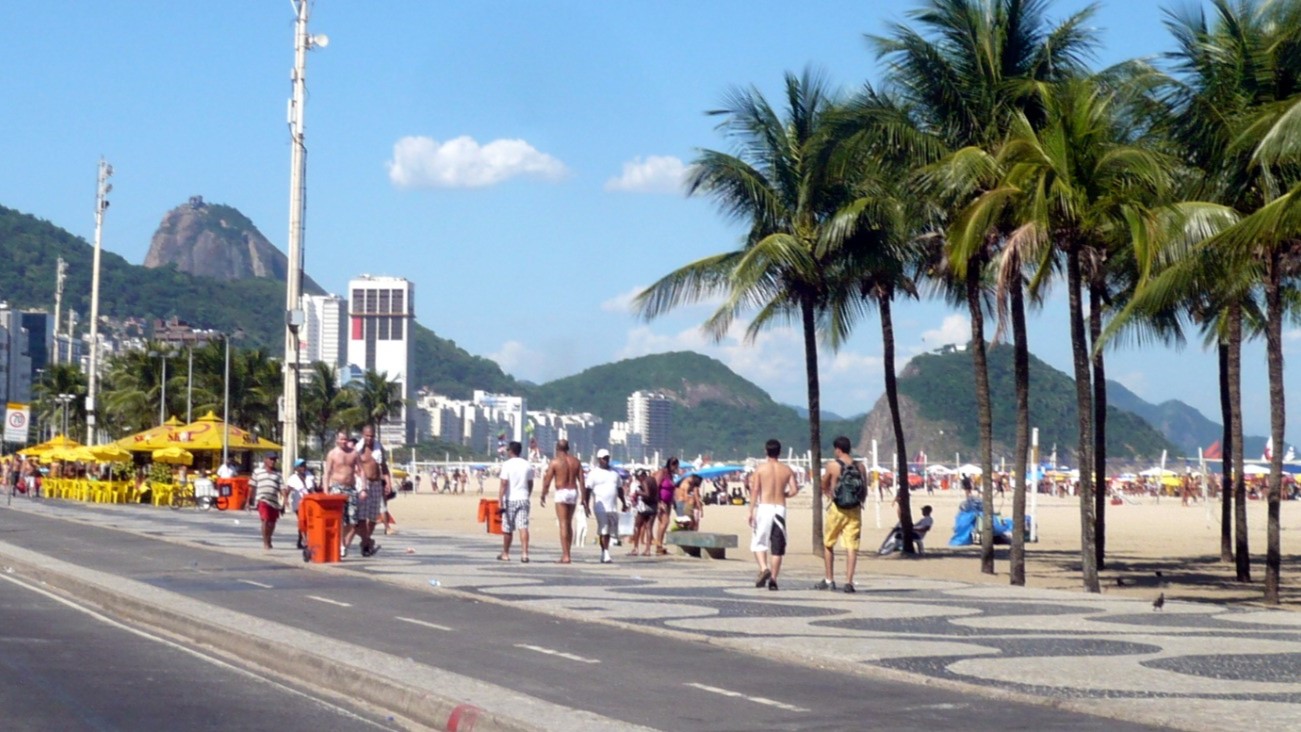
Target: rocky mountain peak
[215,240]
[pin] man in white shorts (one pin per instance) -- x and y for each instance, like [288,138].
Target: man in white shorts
[513,498]
[770,485]
[566,473]
[604,485]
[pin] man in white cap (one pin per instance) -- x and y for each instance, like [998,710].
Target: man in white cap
[604,485]
[301,482]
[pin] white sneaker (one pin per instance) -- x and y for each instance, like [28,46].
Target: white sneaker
[605,558]
[343,550]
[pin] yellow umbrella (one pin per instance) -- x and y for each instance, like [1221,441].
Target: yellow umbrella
[173,456]
[110,453]
[151,439]
[207,433]
[78,454]
[44,448]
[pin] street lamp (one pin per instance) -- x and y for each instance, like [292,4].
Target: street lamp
[92,378]
[64,400]
[225,401]
[294,316]
[162,400]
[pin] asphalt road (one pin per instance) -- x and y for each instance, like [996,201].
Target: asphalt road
[626,675]
[67,669]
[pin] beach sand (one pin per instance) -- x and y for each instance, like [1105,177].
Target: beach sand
[1143,538]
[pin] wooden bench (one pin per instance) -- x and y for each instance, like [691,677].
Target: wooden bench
[692,542]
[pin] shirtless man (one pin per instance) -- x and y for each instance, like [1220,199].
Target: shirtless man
[341,477]
[567,474]
[770,485]
[370,494]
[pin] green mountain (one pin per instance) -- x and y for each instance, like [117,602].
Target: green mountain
[713,411]
[30,247]
[1183,425]
[938,405]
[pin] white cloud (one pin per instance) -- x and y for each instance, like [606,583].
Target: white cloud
[622,303]
[954,330]
[516,358]
[423,162]
[654,174]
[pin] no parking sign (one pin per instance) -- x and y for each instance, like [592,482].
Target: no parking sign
[16,417]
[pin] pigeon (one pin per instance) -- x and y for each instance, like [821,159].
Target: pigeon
[1158,574]
[1159,602]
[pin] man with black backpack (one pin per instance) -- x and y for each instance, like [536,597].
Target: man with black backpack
[844,486]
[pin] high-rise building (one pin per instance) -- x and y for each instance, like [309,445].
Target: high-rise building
[15,360]
[380,312]
[324,332]
[512,409]
[648,417]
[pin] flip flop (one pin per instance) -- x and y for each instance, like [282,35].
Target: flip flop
[503,558]
[524,560]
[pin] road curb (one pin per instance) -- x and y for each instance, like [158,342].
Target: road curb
[387,682]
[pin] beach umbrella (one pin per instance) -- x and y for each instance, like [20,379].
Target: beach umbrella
[110,453]
[173,456]
[207,433]
[1251,469]
[44,449]
[969,469]
[938,469]
[150,439]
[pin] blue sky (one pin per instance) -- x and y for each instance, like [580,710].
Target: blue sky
[518,161]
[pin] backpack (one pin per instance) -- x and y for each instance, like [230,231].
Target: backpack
[850,488]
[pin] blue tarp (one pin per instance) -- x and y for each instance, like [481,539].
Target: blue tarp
[965,523]
[710,472]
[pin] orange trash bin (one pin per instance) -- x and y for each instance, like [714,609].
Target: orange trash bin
[232,493]
[490,513]
[324,513]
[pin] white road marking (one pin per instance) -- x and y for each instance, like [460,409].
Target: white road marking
[192,652]
[413,621]
[256,584]
[756,699]
[559,654]
[329,601]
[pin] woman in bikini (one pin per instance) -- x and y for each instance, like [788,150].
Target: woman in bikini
[664,480]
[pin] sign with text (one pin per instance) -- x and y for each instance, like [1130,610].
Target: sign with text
[16,416]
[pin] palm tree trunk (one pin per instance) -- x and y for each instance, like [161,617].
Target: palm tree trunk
[901,454]
[1226,456]
[1241,554]
[1099,426]
[980,365]
[815,419]
[1020,459]
[1084,409]
[1277,419]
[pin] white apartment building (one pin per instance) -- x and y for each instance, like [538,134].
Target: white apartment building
[464,422]
[380,313]
[586,432]
[648,418]
[323,335]
[511,408]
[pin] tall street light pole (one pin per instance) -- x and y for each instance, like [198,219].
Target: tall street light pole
[225,402]
[162,400]
[294,317]
[92,380]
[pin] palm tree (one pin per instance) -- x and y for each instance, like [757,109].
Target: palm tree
[376,398]
[59,379]
[1229,117]
[323,402]
[780,187]
[974,64]
[1084,185]
[132,389]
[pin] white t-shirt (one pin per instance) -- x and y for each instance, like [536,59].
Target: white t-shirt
[225,471]
[305,484]
[604,485]
[518,475]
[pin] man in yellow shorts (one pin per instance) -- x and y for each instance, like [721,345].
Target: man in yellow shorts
[844,489]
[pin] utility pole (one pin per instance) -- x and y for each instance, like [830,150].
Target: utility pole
[92,379]
[294,316]
[60,274]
